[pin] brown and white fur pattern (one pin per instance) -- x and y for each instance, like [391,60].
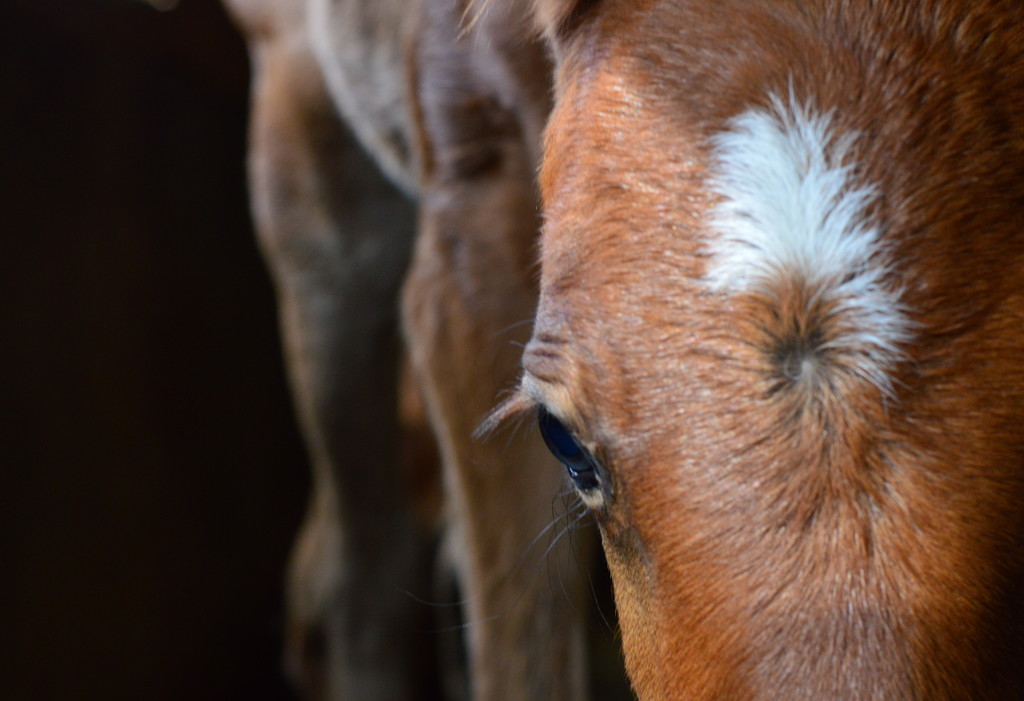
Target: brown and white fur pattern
[781,310]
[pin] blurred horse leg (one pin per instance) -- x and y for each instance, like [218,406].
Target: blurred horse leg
[336,237]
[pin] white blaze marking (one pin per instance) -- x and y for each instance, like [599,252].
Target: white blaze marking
[790,209]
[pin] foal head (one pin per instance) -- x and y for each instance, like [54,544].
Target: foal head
[780,342]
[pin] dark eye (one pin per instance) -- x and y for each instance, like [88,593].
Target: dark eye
[566,448]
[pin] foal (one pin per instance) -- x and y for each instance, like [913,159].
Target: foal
[780,338]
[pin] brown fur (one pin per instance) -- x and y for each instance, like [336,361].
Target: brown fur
[772,537]
[777,527]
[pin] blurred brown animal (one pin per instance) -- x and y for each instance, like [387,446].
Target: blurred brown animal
[779,342]
[454,120]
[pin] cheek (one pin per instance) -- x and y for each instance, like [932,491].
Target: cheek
[676,609]
[636,603]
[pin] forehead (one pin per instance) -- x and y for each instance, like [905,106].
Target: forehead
[626,194]
[624,199]
[628,328]
[624,175]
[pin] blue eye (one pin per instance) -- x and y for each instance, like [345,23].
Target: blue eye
[578,462]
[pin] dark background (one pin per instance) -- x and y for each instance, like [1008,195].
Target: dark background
[152,477]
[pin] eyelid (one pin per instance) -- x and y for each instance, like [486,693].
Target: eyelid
[554,397]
